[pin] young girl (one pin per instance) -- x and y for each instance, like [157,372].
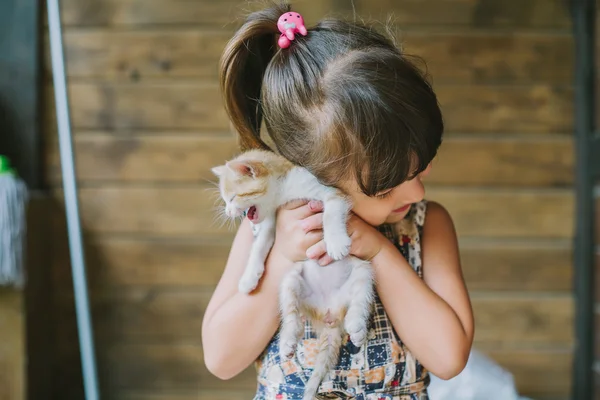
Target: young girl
[345,103]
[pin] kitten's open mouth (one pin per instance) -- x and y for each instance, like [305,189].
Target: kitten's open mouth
[252,214]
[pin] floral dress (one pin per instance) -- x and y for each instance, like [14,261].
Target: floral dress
[381,369]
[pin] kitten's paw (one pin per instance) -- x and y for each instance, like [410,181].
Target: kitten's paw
[248,283]
[338,246]
[287,348]
[357,331]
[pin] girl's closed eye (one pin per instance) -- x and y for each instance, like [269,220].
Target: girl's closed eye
[384,195]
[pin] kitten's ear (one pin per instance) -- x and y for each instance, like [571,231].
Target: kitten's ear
[218,171]
[247,168]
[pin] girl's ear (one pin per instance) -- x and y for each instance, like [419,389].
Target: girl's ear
[218,171]
[247,168]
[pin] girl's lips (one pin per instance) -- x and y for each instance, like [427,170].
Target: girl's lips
[402,209]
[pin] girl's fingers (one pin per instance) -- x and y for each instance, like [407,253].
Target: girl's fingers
[325,260]
[308,209]
[312,222]
[294,204]
[316,251]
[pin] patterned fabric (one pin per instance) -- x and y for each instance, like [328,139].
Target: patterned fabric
[382,369]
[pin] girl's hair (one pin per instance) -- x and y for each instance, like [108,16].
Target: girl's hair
[343,101]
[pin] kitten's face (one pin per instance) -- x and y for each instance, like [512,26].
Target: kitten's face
[243,185]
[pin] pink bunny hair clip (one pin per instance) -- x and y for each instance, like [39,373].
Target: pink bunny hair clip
[288,24]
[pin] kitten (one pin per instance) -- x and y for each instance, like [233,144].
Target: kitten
[337,298]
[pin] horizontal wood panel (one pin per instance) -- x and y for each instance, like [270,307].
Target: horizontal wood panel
[504,162]
[194,53]
[506,109]
[185,158]
[508,213]
[177,368]
[190,211]
[517,266]
[472,13]
[143,315]
[119,262]
[539,375]
[193,106]
[523,321]
[190,106]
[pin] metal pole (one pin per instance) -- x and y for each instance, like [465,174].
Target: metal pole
[86,342]
[584,14]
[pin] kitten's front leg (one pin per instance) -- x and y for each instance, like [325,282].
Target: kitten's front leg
[291,291]
[258,254]
[361,293]
[335,231]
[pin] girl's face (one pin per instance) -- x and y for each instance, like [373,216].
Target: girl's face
[389,206]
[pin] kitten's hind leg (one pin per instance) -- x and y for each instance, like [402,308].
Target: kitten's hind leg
[258,253]
[361,292]
[291,291]
[335,231]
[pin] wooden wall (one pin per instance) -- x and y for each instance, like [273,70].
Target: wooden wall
[148,124]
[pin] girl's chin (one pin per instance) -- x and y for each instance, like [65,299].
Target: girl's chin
[396,217]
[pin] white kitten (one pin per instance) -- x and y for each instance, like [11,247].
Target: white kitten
[336,299]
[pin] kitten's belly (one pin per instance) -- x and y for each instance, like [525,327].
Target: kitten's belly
[325,283]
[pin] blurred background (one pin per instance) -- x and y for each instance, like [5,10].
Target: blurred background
[148,124]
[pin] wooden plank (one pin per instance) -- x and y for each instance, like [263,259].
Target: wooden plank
[193,53]
[523,321]
[500,57]
[506,266]
[184,158]
[164,369]
[175,316]
[187,105]
[538,374]
[546,14]
[506,109]
[182,211]
[508,213]
[146,54]
[156,158]
[182,105]
[504,161]
[120,262]
[12,345]
[137,262]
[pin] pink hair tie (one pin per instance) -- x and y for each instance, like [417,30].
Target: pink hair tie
[288,24]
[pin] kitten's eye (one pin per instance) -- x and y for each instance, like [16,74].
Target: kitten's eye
[232,197]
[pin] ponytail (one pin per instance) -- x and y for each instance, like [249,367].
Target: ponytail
[242,68]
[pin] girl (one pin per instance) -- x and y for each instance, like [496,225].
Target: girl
[345,103]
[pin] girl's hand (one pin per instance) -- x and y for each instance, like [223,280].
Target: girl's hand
[366,241]
[299,227]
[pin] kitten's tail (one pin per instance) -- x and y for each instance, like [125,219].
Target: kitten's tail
[330,341]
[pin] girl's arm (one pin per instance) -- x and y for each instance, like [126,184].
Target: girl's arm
[433,315]
[236,327]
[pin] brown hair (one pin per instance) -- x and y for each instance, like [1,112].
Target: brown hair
[342,101]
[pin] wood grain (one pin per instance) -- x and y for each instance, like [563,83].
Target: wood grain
[506,109]
[179,368]
[515,162]
[197,107]
[12,345]
[154,315]
[161,262]
[153,53]
[508,213]
[176,211]
[546,14]
[517,266]
[173,105]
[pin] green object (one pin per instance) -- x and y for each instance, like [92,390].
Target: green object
[5,168]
